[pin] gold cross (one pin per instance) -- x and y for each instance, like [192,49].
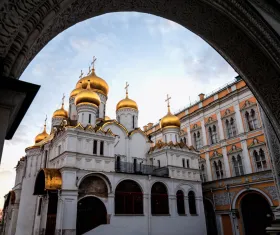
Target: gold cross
[81,74]
[46,120]
[93,61]
[126,87]
[167,100]
[63,99]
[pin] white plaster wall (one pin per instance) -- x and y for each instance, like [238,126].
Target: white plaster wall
[138,145]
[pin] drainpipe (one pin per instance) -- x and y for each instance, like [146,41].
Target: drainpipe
[61,210]
[149,206]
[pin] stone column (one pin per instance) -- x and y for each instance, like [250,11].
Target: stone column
[246,158]
[226,163]
[111,207]
[220,125]
[239,122]
[98,147]
[66,212]
[189,136]
[203,133]
[208,167]
[187,209]
[172,205]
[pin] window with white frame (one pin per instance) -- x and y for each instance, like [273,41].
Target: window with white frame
[260,160]
[197,139]
[213,135]
[218,169]
[251,119]
[230,127]
[237,165]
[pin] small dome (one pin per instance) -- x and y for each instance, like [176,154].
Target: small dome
[96,83]
[61,113]
[77,90]
[41,136]
[127,103]
[87,96]
[170,120]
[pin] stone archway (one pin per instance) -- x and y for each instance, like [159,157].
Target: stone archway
[256,214]
[233,28]
[91,213]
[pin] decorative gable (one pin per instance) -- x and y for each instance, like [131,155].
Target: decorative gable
[255,143]
[234,149]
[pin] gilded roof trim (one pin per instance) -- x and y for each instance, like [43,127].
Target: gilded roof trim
[114,122]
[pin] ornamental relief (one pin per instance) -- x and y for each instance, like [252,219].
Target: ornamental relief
[271,190]
[222,199]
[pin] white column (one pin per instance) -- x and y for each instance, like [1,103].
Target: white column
[172,206]
[98,147]
[246,158]
[187,209]
[189,136]
[203,133]
[226,163]
[208,167]
[220,125]
[239,122]
[67,212]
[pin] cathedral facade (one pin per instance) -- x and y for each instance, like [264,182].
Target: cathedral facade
[226,128]
[98,175]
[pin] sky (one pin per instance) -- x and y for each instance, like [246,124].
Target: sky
[154,55]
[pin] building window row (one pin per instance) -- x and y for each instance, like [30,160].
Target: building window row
[129,199]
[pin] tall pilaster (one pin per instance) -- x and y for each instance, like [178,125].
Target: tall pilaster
[220,125]
[226,163]
[204,139]
[246,158]
[239,122]
[208,167]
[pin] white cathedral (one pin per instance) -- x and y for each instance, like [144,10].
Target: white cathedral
[97,175]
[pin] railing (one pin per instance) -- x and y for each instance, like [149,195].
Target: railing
[140,169]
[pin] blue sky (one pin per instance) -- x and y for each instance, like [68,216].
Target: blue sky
[154,55]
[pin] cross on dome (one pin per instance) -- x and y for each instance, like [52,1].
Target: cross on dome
[126,88]
[82,74]
[168,102]
[93,61]
[46,120]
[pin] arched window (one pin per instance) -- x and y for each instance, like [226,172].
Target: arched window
[118,163]
[188,163]
[213,136]
[218,167]
[128,198]
[180,202]
[185,140]
[202,173]
[192,204]
[237,166]
[183,163]
[230,128]
[260,160]
[159,199]
[251,119]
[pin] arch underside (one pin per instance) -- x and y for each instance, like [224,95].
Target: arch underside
[233,28]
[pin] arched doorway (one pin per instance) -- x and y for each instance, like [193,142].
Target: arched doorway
[210,218]
[90,214]
[256,214]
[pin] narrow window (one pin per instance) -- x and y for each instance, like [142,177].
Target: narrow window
[188,163]
[39,207]
[82,117]
[183,162]
[95,147]
[180,202]
[185,140]
[260,160]
[89,118]
[192,204]
[101,148]
[202,173]
[133,125]
[59,149]
[46,158]
[135,164]
[118,164]
[210,135]
[165,139]
[158,163]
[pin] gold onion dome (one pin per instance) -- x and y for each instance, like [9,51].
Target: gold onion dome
[96,83]
[126,102]
[60,112]
[41,136]
[87,96]
[107,118]
[170,120]
[77,90]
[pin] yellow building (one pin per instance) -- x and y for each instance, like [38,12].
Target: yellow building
[226,127]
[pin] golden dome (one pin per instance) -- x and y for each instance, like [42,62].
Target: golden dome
[170,120]
[61,112]
[41,136]
[77,90]
[87,96]
[127,103]
[96,83]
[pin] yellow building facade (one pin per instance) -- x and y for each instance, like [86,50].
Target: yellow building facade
[239,192]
